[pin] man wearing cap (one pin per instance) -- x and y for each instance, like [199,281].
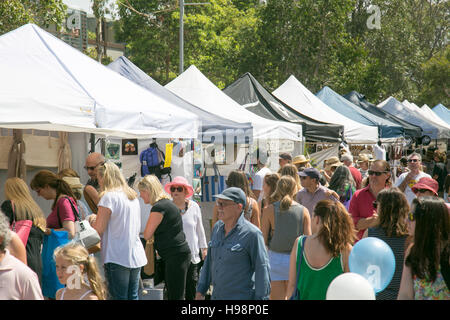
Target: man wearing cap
[313,191]
[347,159]
[284,159]
[237,264]
[409,179]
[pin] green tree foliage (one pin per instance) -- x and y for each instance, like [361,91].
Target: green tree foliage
[436,80]
[321,42]
[15,13]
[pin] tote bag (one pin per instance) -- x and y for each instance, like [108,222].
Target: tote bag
[50,282]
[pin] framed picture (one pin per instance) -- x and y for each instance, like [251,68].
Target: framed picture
[112,151]
[129,147]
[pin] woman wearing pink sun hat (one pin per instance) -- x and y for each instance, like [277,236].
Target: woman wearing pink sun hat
[181,191]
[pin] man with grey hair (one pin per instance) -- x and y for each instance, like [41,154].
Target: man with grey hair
[347,160]
[408,179]
[17,280]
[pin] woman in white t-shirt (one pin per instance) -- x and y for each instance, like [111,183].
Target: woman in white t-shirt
[181,191]
[118,221]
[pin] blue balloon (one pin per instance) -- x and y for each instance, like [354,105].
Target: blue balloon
[373,259]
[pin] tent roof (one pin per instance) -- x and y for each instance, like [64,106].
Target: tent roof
[360,100]
[442,112]
[425,109]
[211,124]
[386,128]
[414,108]
[296,95]
[250,94]
[194,87]
[395,107]
[47,84]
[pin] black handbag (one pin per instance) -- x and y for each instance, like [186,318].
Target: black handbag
[159,271]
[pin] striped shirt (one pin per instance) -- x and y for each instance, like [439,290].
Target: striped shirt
[397,244]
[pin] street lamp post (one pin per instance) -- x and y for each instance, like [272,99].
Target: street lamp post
[182,4]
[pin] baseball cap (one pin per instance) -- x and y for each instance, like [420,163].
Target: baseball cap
[310,172]
[234,194]
[285,156]
[427,184]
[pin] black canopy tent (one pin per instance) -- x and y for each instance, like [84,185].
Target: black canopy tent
[361,101]
[249,93]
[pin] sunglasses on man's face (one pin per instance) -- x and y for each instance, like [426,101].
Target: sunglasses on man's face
[376,173]
[179,189]
[413,160]
[93,168]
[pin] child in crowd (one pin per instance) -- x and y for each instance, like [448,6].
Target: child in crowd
[73,266]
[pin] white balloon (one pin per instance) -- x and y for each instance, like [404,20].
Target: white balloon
[350,286]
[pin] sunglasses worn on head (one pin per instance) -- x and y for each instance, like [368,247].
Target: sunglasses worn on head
[377,173]
[179,189]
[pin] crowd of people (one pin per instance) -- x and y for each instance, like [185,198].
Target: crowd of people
[279,235]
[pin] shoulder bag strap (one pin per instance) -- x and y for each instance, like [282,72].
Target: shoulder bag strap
[75,211]
[296,295]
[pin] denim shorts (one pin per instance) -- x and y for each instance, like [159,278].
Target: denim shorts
[279,266]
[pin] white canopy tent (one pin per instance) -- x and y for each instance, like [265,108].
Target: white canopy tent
[296,95]
[46,84]
[426,110]
[398,109]
[196,88]
[418,111]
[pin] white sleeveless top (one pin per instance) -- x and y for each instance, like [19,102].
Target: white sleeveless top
[81,298]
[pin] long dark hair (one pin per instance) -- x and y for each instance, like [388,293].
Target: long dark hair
[341,178]
[431,237]
[393,209]
[47,178]
[238,179]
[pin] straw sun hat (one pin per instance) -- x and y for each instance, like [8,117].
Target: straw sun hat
[299,159]
[332,162]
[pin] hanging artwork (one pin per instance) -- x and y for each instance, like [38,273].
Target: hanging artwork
[129,147]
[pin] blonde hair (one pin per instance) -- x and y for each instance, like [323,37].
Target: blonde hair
[291,170]
[284,192]
[24,206]
[78,255]
[156,191]
[114,180]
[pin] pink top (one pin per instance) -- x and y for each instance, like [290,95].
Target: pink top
[361,206]
[17,281]
[65,213]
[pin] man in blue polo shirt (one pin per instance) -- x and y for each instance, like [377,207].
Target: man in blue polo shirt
[237,265]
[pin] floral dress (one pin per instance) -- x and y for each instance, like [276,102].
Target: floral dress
[427,290]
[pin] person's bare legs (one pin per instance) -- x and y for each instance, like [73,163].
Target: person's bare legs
[278,290]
